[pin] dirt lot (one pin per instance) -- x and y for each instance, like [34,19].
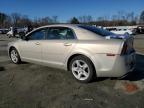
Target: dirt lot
[33,86]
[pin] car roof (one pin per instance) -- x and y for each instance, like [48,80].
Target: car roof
[56,25]
[60,25]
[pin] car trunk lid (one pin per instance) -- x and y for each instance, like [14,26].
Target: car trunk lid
[128,42]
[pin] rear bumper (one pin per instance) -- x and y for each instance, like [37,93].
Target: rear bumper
[117,67]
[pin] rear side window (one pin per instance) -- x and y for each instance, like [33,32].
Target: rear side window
[98,31]
[60,33]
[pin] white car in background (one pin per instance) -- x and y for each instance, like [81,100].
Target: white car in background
[121,31]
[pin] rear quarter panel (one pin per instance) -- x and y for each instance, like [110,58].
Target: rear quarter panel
[113,46]
[96,51]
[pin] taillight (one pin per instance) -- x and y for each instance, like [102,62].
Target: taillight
[124,50]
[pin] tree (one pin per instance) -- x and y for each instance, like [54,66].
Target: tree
[85,19]
[54,19]
[15,18]
[3,17]
[24,21]
[74,20]
[142,17]
[7,22]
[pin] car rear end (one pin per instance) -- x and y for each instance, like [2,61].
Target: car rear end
[127,51]
[116,60]
[125,61]
[114,55]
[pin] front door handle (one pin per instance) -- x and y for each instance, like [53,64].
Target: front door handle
[67,44]
[37,43]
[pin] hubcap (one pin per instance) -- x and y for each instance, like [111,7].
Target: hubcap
[80,69]
[14,56]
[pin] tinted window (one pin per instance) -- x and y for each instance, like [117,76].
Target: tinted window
[37,35]
[110,29]
[98,31]
[60,33]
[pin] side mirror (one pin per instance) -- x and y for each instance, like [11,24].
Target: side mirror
[22,36]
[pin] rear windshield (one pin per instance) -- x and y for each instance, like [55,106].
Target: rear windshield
[99,31]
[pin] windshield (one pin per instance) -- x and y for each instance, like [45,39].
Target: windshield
[99,31]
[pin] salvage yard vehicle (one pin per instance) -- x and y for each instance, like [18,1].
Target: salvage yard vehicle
[84,50]
[140,29]
[15,32]
[3,31]
[121,30]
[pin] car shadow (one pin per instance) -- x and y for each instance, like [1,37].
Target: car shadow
[99,79]
[2,68]
[2,40]
[138,73]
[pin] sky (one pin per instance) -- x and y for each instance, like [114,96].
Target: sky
[65,9]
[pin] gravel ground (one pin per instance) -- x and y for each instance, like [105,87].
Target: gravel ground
[34,86]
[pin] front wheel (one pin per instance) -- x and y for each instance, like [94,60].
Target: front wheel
[9,36]
[82,69]
[14,55]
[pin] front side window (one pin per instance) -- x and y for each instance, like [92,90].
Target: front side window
[60,33]
[37,35]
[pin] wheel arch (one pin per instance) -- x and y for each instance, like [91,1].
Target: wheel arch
[79,54]
[11,47]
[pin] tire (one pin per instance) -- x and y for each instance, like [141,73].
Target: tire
[14,55]
[8,36]
[82,69]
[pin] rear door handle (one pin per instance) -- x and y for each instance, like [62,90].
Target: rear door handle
[67,44]
[37,43]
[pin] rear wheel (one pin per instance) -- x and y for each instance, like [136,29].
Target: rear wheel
[82,69]
[14,55]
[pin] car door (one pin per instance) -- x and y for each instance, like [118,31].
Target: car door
[57,46]
[31,48]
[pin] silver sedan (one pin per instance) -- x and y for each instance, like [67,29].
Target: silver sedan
[86,51]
